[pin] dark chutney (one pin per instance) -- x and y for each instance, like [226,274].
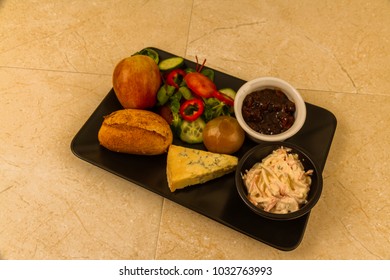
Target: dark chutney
[268,111]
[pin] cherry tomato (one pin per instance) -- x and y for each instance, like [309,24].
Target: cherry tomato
[200,84]
[166,113]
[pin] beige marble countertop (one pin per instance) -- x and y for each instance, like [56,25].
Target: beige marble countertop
[56,61]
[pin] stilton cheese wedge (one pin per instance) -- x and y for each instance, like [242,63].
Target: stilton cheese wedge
[186,166]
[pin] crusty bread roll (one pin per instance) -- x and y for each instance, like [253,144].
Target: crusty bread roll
[135,131]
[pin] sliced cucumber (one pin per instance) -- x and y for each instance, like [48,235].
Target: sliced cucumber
[192,132]
[171,63]
[229,92]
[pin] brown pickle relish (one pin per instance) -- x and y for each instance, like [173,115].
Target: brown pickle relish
[268,111]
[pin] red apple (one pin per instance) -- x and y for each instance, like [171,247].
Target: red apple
[136,80]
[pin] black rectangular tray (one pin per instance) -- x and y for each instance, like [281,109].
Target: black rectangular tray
[217,199]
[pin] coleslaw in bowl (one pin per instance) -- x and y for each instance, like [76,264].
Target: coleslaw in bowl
[278,180]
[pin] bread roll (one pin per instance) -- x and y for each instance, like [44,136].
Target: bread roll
[135,131]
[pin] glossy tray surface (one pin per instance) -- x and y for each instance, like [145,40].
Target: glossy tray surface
[217,199]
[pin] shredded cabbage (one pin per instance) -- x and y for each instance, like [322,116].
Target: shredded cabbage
[279,183]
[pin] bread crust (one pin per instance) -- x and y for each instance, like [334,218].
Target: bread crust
[135,131]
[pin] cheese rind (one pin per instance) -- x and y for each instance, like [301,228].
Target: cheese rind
[186,166]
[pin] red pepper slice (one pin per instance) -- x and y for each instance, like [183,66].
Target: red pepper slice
[173,75]
[224,98]
[191,109]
